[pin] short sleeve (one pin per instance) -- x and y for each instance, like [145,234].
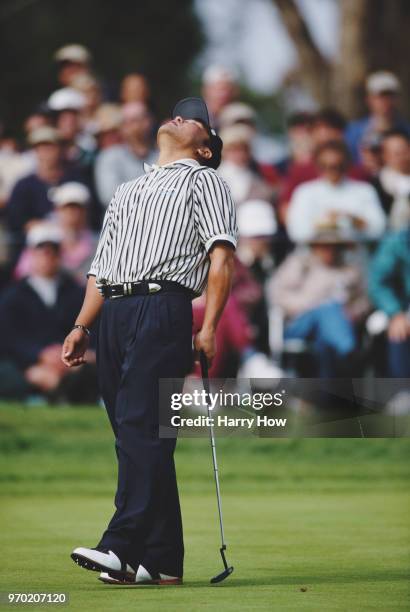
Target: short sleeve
[214,210]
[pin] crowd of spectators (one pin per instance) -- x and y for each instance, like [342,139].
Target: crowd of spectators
[322,278]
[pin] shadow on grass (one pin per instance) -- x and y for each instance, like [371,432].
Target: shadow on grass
[272,580]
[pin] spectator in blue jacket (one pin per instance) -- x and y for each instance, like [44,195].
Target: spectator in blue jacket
[389,287]
[383,89]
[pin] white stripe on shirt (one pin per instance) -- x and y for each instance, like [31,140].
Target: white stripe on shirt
[161,226]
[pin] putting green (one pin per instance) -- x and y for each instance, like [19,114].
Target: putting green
[327,516]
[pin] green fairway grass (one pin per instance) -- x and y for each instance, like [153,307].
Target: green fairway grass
[330,516]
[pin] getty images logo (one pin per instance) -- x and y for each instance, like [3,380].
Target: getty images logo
[224,399]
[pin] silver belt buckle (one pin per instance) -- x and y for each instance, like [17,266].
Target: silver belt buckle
[154,288]
[127,288]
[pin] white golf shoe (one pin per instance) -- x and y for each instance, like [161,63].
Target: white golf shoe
[141,578]
[102,560]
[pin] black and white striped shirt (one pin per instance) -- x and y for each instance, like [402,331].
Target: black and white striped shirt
[161,226]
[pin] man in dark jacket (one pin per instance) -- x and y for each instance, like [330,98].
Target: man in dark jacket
[35,315]
[31,199]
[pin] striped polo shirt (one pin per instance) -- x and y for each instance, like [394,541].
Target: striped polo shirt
[162,225]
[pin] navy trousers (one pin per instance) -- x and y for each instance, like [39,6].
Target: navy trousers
[140,340]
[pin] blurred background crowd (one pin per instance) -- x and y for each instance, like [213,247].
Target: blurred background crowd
[322,278]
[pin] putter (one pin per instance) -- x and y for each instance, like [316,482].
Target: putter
[227,569]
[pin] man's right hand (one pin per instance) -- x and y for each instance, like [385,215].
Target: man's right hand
[74,348]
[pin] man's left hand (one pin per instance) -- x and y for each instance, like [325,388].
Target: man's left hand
[205,341]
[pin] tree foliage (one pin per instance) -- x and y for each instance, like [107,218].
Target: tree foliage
[159,37]
[374,35]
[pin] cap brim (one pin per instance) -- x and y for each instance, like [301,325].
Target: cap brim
[195,108]
[192,108]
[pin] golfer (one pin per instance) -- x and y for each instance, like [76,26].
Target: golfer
[165,236]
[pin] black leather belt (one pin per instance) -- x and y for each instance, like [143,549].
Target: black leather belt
[142,288]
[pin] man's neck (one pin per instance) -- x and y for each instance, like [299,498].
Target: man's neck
[167,156]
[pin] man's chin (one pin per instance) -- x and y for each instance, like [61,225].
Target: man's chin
[166,126]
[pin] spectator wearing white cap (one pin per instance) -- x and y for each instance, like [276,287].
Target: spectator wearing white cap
[237,166]
[35,315]
[78,242]
[30,199]
[383,91]
[219,88]
[125,162]
[257,227]
[72,60]
[67,105]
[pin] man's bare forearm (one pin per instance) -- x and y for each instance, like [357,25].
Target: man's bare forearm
[92,304]
[219,285]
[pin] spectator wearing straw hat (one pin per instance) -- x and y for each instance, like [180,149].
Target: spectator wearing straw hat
[322,298]
[124,162]
[108,119]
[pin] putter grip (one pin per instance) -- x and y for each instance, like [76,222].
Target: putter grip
[204,364]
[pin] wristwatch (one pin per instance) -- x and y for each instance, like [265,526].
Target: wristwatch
[83,327]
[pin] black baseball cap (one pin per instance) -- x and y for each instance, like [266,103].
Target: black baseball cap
[195,108]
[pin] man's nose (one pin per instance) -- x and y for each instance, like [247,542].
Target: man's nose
[178,119]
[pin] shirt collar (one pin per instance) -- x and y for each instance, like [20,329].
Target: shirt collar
[187,161]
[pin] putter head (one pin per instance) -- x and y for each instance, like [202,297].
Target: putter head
[222,575]
[227,571]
